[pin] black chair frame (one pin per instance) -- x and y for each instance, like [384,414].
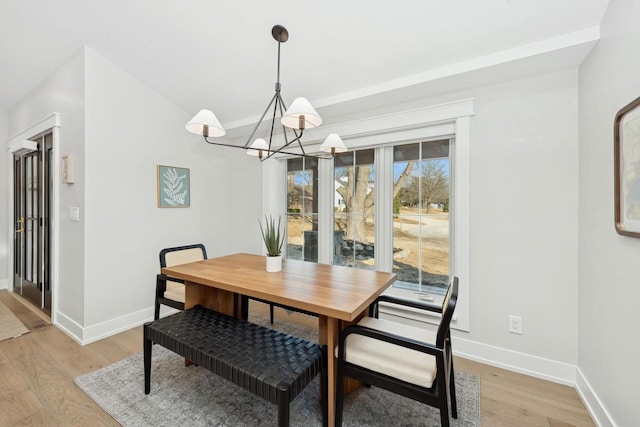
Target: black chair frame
[444,384]
[161,286]
[161,279]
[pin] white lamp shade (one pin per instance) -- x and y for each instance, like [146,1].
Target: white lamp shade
[259,145]
[301,107]
[205,119]
[333,144]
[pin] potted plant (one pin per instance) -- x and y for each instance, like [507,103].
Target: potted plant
[273,240]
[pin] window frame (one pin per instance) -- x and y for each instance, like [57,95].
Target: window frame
[437,298]
[315,177]
[445,121]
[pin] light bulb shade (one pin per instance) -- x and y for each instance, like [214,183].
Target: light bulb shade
[205,123]
[333,144]
[259,148]
[301,107]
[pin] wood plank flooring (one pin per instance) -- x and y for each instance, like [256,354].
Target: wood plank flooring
[37,372]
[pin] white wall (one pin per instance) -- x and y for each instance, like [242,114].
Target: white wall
[523,230]
[608,265]
[63,92]
[130,130]
[524,203]
[4,198]
[118,130]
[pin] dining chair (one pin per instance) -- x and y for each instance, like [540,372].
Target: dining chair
[169,290]
[411,361]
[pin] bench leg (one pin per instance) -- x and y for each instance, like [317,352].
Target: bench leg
[283,408]
[244,307]
[339,394]
[271,313]
[148,344]
[324,388]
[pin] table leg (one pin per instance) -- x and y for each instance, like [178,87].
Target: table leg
[329,328]
[215,299]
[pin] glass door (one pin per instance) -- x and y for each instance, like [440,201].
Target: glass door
[32,195]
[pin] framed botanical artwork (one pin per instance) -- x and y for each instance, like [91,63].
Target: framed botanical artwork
[173,187]
[626,141]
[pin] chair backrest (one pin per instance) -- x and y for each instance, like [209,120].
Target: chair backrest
[448,307]
[182,255]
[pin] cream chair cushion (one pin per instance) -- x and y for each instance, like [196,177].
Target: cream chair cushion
[399,362]
[175,291]
[184,256]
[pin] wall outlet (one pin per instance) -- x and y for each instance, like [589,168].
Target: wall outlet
[515,324]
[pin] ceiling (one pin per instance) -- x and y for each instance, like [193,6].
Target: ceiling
[343,55]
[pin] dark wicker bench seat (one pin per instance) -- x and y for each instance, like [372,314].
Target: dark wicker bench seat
[268,363]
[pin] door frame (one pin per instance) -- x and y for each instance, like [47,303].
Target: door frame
[50,123]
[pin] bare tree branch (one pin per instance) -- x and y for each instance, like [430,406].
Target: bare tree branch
[403,177]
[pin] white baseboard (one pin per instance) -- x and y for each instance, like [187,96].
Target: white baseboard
[523,363]
[69,327]
[114,326]
[539,367]
[4,284]
[89,334]
[592,402]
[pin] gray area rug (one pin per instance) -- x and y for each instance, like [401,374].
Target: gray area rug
[193,396]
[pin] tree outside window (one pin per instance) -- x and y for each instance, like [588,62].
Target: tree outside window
[354,224]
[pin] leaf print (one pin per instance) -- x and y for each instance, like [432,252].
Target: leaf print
[174,191]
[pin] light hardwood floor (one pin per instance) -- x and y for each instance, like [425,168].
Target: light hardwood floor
[37,372]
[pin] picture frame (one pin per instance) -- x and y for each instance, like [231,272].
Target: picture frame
[174,187]
[626,141]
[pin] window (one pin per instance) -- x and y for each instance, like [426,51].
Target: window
[354,199]
[421,244]
[321,223]
[417,213]
[302,209]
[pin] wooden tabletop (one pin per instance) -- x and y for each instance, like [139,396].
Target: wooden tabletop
[329,290]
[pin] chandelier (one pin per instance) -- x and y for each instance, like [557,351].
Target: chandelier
[300,115]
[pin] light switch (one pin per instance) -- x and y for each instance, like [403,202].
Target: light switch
[74,214]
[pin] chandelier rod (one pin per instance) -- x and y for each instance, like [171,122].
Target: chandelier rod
[289,153]
[246,144]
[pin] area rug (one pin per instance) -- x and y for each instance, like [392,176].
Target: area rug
[10,326]
[194,396]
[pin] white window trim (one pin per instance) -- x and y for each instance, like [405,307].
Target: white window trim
[451,120]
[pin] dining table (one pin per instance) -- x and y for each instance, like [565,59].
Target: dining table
[338,295]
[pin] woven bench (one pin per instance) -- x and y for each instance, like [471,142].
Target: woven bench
[268,363]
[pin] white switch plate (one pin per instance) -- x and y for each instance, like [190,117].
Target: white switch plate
[74,214]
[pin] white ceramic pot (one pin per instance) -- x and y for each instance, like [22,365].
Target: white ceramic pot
[274,263]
